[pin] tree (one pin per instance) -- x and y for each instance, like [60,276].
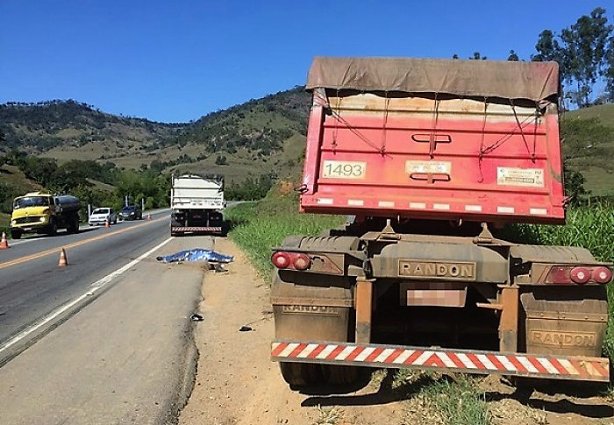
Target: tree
[547,47]
[574,185]
[513,56]
[477,56]
[608,72]
[583,52]
[586,42]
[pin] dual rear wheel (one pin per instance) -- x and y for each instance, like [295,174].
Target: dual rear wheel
[304,375]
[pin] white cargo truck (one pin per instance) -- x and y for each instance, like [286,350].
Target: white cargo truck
[197,204]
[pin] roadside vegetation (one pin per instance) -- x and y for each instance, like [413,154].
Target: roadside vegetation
[259,226]
[92,182]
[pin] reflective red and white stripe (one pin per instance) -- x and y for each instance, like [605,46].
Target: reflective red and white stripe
[532,365]
[454,207]
[196,229]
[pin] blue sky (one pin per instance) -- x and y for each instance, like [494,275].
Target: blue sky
[175,61]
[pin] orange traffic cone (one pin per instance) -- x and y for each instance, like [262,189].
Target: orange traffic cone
[4,244]
[149,217]
[63,260]
[106,224]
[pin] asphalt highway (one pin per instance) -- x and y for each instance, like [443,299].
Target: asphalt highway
[33,286]
[107,339]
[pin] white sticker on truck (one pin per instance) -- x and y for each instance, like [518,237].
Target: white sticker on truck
[428,167]
[344,169]
[526,177]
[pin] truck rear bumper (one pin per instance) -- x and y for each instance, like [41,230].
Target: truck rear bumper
[469,361]
[179,229]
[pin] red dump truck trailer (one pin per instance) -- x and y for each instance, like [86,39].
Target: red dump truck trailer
[430,158]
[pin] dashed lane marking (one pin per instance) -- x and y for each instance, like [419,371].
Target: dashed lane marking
[94,287]
[55,250]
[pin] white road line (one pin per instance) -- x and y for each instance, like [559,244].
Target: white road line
[95,287]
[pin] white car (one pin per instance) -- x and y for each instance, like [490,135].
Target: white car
[101,216]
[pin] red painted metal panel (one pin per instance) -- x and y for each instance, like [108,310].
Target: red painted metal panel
[417,157]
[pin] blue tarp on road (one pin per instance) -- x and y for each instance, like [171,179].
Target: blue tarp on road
[196,254]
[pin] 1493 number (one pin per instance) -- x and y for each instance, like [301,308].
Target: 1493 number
[344,169]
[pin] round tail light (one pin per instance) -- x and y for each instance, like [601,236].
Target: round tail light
[602,275]
[302,262]
[281,260]
[580,275]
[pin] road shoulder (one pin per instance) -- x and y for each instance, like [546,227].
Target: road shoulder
[236,383]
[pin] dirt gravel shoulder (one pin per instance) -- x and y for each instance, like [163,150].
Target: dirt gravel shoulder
[236,383]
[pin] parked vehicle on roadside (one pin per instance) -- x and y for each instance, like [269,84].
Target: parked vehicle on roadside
[197,205]
[101,216]
[431,157]
[41,212]
[131,212]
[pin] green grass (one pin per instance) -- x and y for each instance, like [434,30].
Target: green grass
[258,227]
[437,398]
[458,402]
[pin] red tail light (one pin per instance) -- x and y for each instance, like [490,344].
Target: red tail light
[558,274]
[580,275]
[291,260]
[301,262]
[281,260]
[602,275]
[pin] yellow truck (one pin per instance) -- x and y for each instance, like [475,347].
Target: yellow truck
[42,212]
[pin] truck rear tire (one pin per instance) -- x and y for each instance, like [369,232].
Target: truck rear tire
[342,375]
[302,375]
[305,375]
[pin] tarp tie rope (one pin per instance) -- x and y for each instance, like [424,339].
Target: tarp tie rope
[386,104]
[535,131]
[505,138]
[432,143]
[524,139]
[340,120]
[481,153]
[336,130]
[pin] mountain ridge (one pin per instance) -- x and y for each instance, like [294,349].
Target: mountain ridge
[264,136]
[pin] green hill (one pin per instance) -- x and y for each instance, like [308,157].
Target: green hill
[253,138]
[260,136]
[593,129]
[73,130]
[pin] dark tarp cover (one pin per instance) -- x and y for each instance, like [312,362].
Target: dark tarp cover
[472,78]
